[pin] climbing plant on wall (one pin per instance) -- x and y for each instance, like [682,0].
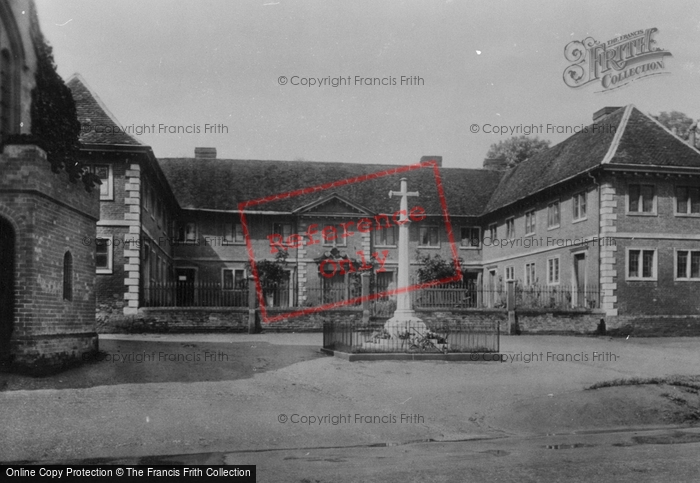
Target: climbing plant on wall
[55,125]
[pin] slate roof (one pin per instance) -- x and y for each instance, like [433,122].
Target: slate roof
[99,126]
[623,137]
[220,184]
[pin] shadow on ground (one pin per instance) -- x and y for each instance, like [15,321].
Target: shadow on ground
[141,362]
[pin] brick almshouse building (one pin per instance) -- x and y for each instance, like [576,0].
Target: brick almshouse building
[606,224]
[612,214]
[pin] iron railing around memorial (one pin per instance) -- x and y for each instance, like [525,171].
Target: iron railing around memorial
[446,336]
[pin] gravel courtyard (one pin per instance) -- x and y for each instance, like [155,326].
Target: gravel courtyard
[152,395]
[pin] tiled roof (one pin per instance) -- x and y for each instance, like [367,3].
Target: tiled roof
[570,157]
[625,136]
[99,126]
[220,184]
[646,142]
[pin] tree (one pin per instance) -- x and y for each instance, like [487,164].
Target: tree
[55,126]
[271,272]
[517,149]
[675,119]
[434,268]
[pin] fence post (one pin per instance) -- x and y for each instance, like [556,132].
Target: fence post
[510,306]
[479,290]
[364,277]
[253,324]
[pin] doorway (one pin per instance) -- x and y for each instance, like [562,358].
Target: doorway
[185,286]
[7,286]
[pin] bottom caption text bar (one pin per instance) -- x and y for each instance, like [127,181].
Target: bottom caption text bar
[239,473]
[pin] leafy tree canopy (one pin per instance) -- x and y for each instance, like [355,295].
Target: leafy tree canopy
[434,268]
[271,272]
[55,125]
[517,149]
[675,119]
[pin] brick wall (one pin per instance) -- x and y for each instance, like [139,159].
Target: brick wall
[663,296]
[572,237]
[50,216]
[654,325]
[558,322]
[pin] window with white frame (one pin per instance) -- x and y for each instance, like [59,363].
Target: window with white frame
[641,198]
[284,229]
[104,172]
[553,271]
[146,197]
[553,215]
[385,237]
[103,254]
[187,232]
[493,232]
[579,202]
[530,274]
[157,212]
[429,236]
[510,273]
[470,237]
[153,202]
[233,233]
[688,200]
[332,236]
[530,218]
[233,278]
[641,264]
[688,264]
[510,228]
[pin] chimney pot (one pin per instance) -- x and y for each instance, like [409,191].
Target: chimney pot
[437,159]
[205,153]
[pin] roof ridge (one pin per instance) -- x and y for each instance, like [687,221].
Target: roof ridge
[618,135]
[80,79]
[333,163]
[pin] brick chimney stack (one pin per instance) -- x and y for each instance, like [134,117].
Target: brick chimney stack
[496,164]
[204,153]
[604,112]
[437,159]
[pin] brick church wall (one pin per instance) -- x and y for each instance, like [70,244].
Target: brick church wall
[50,216]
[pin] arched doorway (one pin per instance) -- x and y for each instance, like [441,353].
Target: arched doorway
[7,286]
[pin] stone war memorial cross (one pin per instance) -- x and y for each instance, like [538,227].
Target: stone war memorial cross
[404,319]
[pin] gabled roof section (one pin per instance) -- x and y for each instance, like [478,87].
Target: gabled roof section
[331,205]
[647,142]
[624,137]
[221,184]
[571,157]
[99,126]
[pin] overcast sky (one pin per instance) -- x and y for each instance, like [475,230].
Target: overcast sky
[191,63]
